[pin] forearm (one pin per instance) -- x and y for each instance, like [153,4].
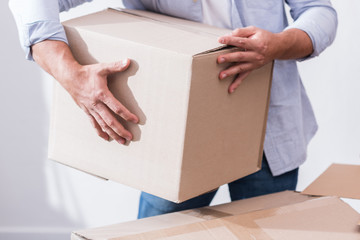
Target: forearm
[292,44]
[318,19]
[55,57]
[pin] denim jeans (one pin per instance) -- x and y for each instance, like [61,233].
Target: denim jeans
[256,184]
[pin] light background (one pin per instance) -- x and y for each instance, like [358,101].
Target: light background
[40,199]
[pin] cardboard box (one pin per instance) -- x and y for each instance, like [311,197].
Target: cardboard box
[182,218]
[281,216]
[191,129]
[340,180]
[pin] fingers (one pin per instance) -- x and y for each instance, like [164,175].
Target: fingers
[110,125]
[257,51]
[244,32]
[95,98]
[240,37]
[239,56]
[240,42]
[98,129]
[235,69]
[112,122]
[118,108]
[238,80]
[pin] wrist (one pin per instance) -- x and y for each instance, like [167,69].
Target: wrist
[55,57]
[293,44]
[283,42]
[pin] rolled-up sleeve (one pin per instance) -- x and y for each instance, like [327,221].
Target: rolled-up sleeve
[38,20]
[318,19]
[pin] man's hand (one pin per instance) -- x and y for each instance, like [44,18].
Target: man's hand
[260,47]
[88,87]
[91,93]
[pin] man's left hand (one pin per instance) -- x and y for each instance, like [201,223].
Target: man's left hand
[258,48]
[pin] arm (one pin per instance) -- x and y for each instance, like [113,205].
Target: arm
[44,40]
[313,30]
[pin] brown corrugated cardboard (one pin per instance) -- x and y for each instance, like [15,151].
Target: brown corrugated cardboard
[165,221]
[326,218]
[190,128]
[281,216]
[340,180]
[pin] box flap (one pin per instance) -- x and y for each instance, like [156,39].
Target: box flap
[171,220]
[137,227]
[261,202]
[340,180]
[151,29]
[326,218]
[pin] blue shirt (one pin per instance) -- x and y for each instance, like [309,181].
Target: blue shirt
[291,123]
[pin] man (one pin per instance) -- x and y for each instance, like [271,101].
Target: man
[260,27]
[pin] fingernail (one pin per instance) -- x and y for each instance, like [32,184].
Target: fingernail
[121,141]
[221,40]
[221,60]
[124,62]
[223,75]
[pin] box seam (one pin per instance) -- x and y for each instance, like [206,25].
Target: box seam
[185,128]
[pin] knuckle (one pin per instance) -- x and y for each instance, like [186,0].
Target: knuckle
[240,41]
[262,47]
[99,94]
[260,59]
[240,68]
[238,56]
[119,110]
[112,123]
[103,126]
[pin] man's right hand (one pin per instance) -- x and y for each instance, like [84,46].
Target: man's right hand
[88,87]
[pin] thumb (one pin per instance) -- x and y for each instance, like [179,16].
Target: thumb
[114,67]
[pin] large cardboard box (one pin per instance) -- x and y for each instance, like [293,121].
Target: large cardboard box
[193,136]
[340,180]
[280,216]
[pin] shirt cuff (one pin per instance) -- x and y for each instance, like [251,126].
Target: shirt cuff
[321,30]
[40,31]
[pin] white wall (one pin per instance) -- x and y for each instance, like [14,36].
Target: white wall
[41,199]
